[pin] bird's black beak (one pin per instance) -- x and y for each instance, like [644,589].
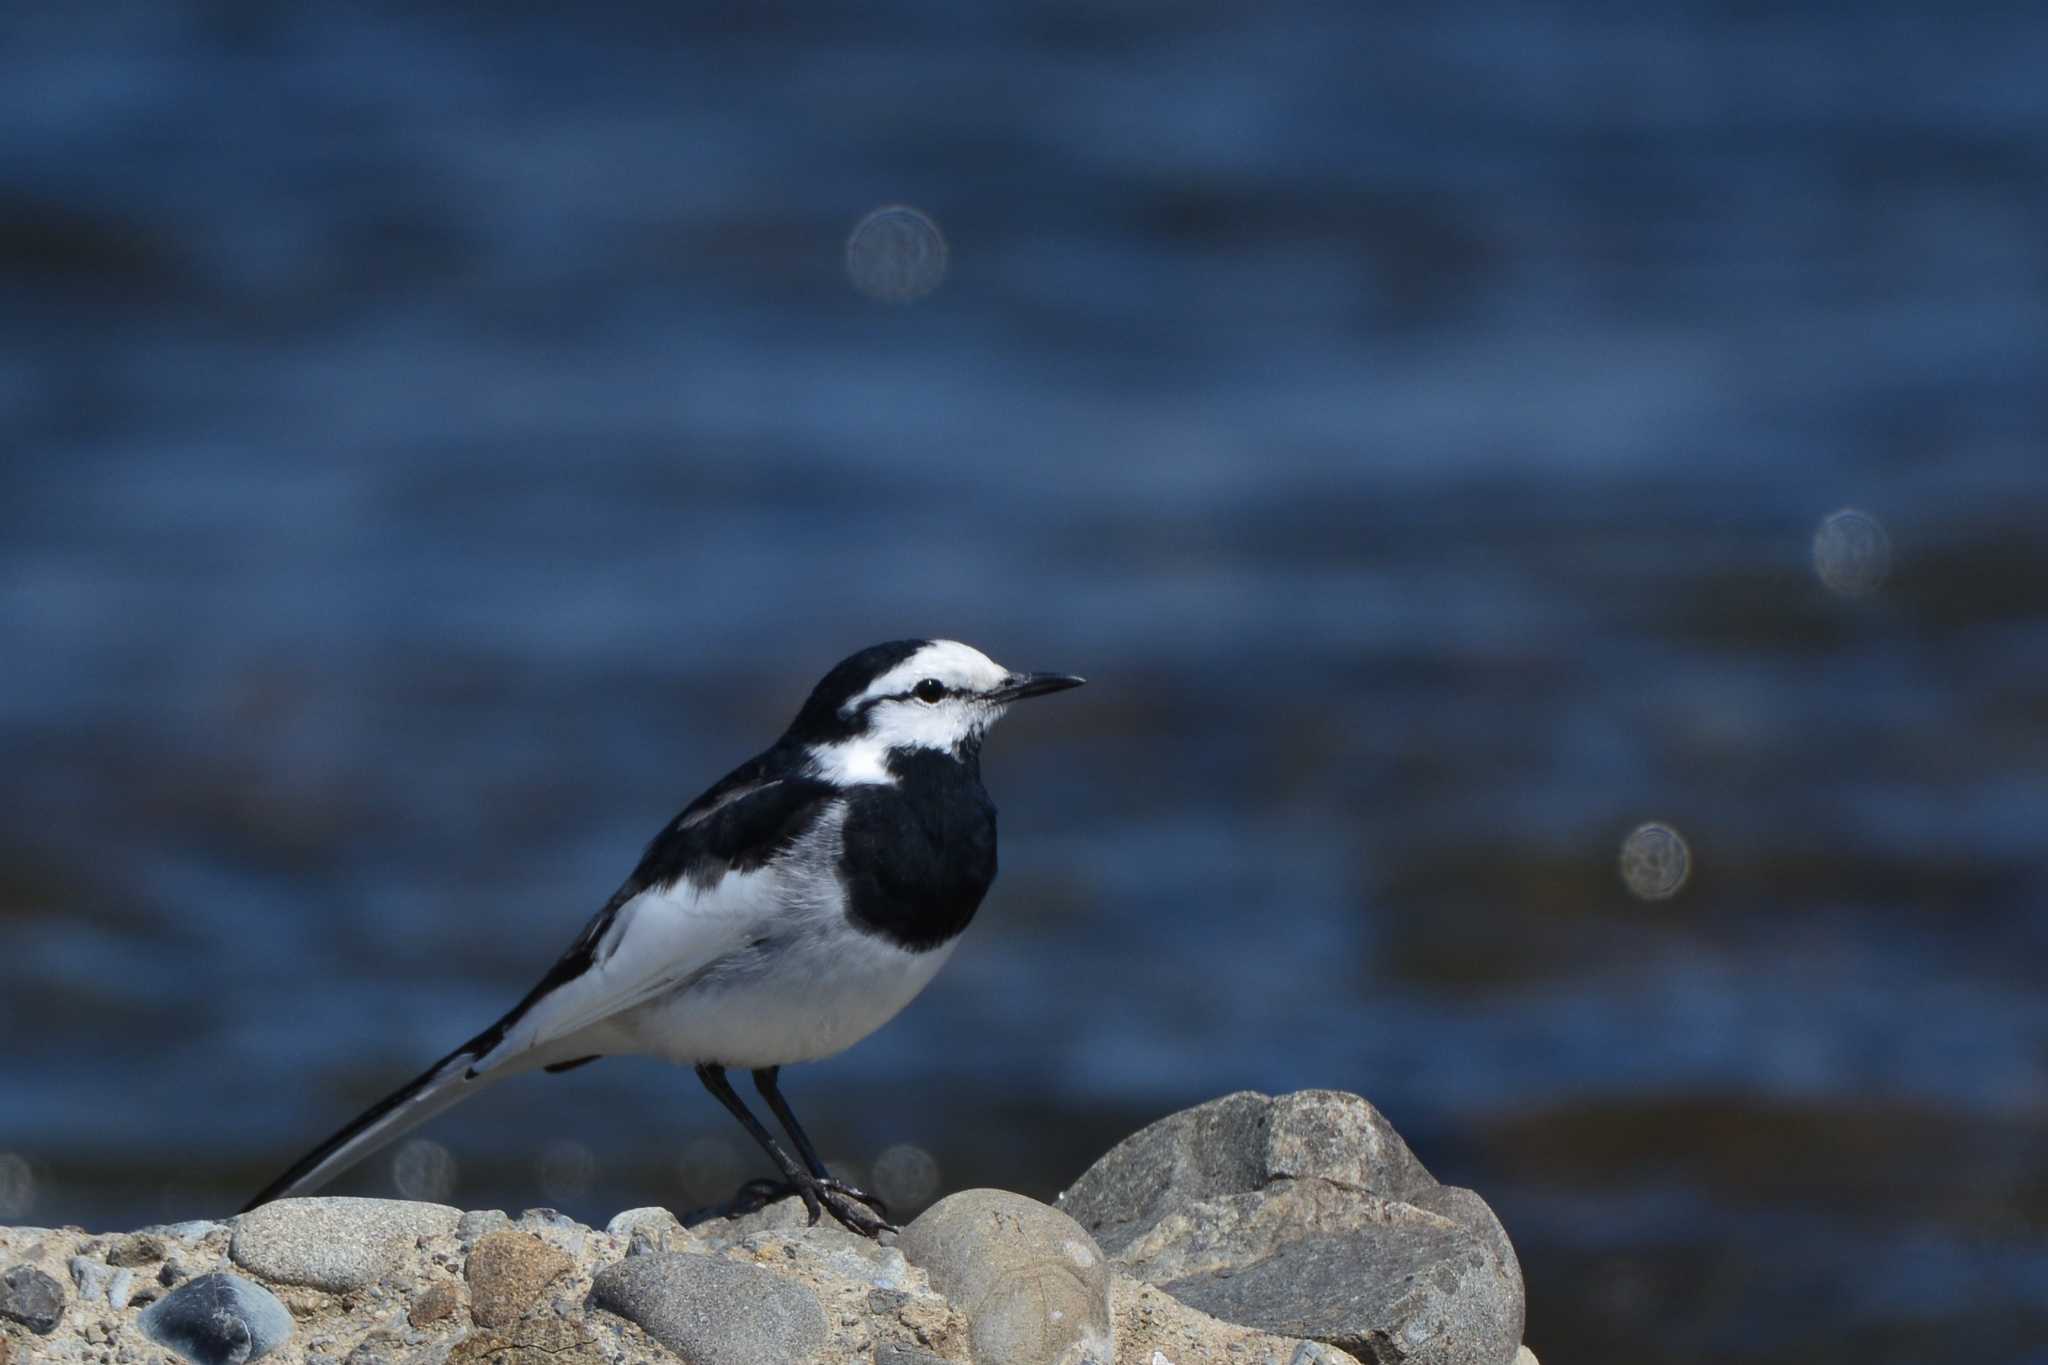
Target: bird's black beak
[1018,686]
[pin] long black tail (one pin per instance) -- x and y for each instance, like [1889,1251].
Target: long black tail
[442,1086]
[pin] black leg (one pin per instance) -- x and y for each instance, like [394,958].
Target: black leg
[721,1089]
[765,1082]
[818,1194]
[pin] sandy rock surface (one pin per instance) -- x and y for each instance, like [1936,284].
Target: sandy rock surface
[1250,1209]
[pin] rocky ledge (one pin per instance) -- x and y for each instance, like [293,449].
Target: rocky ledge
[1291,1231]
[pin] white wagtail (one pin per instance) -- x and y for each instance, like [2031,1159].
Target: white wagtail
[786,914]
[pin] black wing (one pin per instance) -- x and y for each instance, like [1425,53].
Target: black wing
[736,826]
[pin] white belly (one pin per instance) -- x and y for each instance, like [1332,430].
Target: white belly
[814,997]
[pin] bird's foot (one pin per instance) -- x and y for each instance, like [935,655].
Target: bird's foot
[849,1206]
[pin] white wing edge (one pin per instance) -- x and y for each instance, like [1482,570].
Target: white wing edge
[656,943]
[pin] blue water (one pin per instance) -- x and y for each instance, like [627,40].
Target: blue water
[435,449]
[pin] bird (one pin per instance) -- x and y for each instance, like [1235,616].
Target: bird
[788,912]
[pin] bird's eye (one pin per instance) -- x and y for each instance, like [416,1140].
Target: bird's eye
[930,691]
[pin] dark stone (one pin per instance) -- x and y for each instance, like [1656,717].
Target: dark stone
[1423,1295]
[138,1248]
[1234,1145]
[1196,1154]
[1469,1211]
[31,1298]
[218,1319]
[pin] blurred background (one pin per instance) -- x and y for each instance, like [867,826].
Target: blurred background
[1449,438]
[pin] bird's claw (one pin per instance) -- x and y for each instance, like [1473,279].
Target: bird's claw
[849,1207]
[854,1192]
[848,1204]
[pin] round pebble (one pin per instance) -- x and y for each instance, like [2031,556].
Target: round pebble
[334,1243]
[1032,1282]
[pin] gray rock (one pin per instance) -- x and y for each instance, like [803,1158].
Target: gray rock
[1307,1216]
[188,1232]
[556,1228]
[824,1251]
[1469,1211]
[99,1283]
[713,1312]
[784,1215]
[31,1298]
[219,1319]
[1034,1285]
[647,1230]
[334,1244]
[1423,1296]
[1235,1144]
[477,1222]
[1152,1325]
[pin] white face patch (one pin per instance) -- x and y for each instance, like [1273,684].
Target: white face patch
[896,719]
[962,668]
